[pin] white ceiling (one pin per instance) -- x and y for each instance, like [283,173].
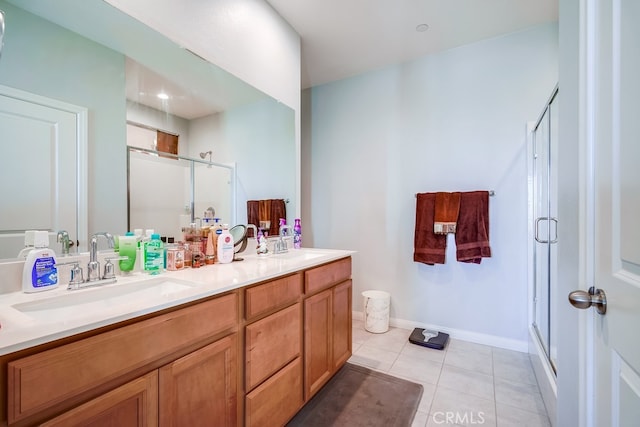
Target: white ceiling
[343,38]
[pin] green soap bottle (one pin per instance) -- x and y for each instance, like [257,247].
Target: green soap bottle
[154,255]
[128,247]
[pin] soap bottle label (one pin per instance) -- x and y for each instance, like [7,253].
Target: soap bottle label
[44,272]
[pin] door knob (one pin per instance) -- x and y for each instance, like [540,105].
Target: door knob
[584,299]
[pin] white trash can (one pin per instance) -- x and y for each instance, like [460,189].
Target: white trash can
[376,311]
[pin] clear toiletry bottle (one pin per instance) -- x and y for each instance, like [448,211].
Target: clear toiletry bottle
[297,234]
[154,255]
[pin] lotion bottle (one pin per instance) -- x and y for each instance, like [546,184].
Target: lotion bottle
[128,247]
[225,246]
[40,272]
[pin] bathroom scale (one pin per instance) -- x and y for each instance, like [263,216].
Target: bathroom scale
[429,338]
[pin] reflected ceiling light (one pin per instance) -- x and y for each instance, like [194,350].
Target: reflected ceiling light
[422,28]
[163,95]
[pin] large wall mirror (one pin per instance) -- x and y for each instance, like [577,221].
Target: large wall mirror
[89,54]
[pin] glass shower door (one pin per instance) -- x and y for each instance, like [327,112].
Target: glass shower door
[545,227]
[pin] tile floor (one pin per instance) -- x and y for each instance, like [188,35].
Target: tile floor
[466,384]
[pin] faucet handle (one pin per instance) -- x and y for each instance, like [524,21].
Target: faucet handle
[77,277]
[109,268]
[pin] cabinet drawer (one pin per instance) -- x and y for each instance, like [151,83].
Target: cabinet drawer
[327,275]
[272,295]
[277,400]
[271,343]
[44,380]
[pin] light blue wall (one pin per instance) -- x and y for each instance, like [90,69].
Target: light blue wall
[45,59]
[450,121]
[260,139]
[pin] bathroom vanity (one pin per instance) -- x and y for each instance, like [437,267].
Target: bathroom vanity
[247,343]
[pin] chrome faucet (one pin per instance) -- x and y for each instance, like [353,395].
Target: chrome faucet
[93,269]
[280,246]
[63,237]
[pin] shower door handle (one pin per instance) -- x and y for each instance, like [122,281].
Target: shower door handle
[537,227]
[594,297]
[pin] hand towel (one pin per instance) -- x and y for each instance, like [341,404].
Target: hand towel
[472,235]
[446,212]
[278,210]
[253,216]
[429,248]
[266,210]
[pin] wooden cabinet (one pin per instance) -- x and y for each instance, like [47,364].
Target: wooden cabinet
[134,404]
[196,390]
[200,389]
[278,399]
[327,323]
[271,343]
[317,345]
[342,339]
[273,350]
[249,357]
[48,383]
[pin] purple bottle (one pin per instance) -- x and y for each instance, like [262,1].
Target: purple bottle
[297,234]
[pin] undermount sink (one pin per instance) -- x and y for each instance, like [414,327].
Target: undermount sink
[80,301]
[296,255]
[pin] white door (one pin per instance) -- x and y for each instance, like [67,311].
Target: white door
[41,143]
[612,199]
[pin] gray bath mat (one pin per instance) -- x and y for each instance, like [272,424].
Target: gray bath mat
[357,396]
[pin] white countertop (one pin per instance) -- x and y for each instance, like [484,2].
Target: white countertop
[27,320]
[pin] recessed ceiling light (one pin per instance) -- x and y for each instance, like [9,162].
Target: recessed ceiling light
[422,28]
[163,95]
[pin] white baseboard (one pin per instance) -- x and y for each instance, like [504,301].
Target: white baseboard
[459,334]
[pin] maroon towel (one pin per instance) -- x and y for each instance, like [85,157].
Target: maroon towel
[278,210]
[252,216]
[472,234]
[266,210]
[429,248]
[446,212]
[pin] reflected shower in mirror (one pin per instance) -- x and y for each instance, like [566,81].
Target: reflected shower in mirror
[168,192]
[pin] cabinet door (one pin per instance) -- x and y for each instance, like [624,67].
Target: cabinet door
[318,343]
[341,324]
[134,404]
[200,389]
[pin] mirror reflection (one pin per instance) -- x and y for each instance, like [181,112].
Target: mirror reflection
[68,51]
[167,193]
